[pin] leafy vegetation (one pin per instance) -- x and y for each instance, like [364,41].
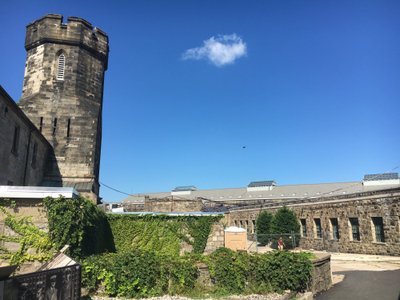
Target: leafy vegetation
[263,227]
[160,233]
[143,273]
[79,224]
[144,261]
[139,274]
[34,244]
[284,222]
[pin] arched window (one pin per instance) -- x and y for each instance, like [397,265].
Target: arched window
[60,66]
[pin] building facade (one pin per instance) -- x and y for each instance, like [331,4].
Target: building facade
[24,151]
[366,223]
[353,217]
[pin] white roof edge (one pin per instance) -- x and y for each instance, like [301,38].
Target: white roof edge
[36,192]
[234,229]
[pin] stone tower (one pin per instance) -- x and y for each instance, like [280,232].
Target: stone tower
[63,96]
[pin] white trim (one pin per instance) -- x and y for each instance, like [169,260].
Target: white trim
[36,192]
[381,182]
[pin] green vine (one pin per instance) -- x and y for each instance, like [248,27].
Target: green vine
[160,233]
[35,244]
[79,224]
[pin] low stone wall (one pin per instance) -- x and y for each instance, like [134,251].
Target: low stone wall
[170,204]
[322,275]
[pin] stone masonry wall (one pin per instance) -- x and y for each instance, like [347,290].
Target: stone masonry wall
[171,205]
[216,238]
[25,164]
[24,208]
[387,208]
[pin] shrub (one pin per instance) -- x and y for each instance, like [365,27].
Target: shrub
[143,274]
[263,227]
[229,270]
[284,270]
[138,274]
[285,222]
[240,272]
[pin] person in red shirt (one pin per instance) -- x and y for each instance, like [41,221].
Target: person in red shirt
[280,244]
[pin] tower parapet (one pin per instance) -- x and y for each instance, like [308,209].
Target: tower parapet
[77,32]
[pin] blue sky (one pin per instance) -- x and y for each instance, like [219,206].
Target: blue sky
[295,91]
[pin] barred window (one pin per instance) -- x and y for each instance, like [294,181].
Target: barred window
[355,229]
[318,228]
[335,229]
[303,227]
[61,66]
[378,228]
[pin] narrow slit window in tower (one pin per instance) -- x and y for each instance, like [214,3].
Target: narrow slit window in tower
[68,128]
[61,66]
[54,126]
[41,124]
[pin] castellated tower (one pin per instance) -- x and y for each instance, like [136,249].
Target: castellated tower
[63,96]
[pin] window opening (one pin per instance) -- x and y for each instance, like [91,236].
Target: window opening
[41,124]
[68,128]
[34,153]
[303,227]
[61,66]
[378,226]
[318,229]
[335,228]
[54,126]
[15,144]
[355,229]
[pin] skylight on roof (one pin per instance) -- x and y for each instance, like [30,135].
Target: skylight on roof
[185,188]
[381,176]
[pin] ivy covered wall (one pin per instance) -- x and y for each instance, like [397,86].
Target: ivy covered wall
[161,233]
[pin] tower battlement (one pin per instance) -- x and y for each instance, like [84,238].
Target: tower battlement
[77,32]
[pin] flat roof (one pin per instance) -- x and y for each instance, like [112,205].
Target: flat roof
[295,191]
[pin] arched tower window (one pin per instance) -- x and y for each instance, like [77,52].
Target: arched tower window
[60,66]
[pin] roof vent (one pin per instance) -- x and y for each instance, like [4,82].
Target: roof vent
[261,186]
[183,190]
[381,179]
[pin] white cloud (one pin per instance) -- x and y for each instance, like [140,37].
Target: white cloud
[221,50]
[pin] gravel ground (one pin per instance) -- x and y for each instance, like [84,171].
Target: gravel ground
[273,296]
